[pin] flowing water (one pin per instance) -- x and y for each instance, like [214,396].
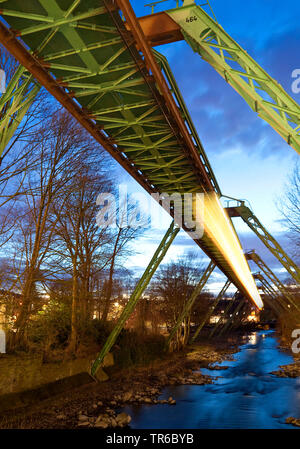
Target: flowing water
[247,396]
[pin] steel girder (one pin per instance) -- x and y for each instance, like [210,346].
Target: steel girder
[263,94]
[137,293]
[252,221]
[211,309]
[252,255]
[107,77]
[190,302]
[277,305]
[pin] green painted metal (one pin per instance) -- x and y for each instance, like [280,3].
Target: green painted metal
[163,62]
[273,294]
[233,316]
[269,241]
[226,311]
[263,94]
[211,309]
[88,51]
[20,93]
[271,297]
[252,255]
[190,302]
[137,293]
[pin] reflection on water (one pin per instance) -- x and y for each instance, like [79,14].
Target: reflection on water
[246,397]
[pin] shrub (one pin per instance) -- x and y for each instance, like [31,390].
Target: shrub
[138,349]
[51,327]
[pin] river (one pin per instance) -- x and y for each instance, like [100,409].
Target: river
[246,396]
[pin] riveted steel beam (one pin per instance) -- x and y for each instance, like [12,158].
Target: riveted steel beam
[263,94]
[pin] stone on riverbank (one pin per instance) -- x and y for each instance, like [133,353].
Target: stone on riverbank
[294,421]
[291,370]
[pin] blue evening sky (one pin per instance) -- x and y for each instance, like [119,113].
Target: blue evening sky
[249,158]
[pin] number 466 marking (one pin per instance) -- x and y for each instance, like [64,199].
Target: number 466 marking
[191,19]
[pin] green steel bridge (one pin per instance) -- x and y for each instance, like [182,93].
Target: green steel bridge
[96,58]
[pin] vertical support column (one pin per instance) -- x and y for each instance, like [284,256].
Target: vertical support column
[232,317]
[252,255]
[226,311]
[268,240]
[211,309]
[137,293]
[268,287]
[270,301]
[189,304]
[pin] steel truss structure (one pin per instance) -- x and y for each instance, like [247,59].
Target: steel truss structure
[226,312]
[190,302]
[236,312]
[252,255]
[137,293]
[262,93]
[271,297]
[268,240]
[103,70]
[211,310]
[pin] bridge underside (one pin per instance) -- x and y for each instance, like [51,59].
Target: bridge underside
[105,74]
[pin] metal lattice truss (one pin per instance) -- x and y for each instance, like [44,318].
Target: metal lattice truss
[190,302]
[271,296]
[268,240]
[263,94]
[252,255]
[137,293]
[107,77]
[104,72]
[211,309]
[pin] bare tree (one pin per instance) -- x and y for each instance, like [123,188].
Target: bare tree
[80,246]
[174,284]
[122,236]
[290,209]
[57,145]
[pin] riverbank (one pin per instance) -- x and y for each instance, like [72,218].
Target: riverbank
[97,404]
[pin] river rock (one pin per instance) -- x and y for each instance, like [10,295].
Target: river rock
[101,425]
[123,419]
[294,421]
[83,424]
[127,396]
[83,418]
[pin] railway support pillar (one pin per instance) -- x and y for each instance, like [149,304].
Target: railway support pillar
[137,293]
[211,309]
[189,304]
